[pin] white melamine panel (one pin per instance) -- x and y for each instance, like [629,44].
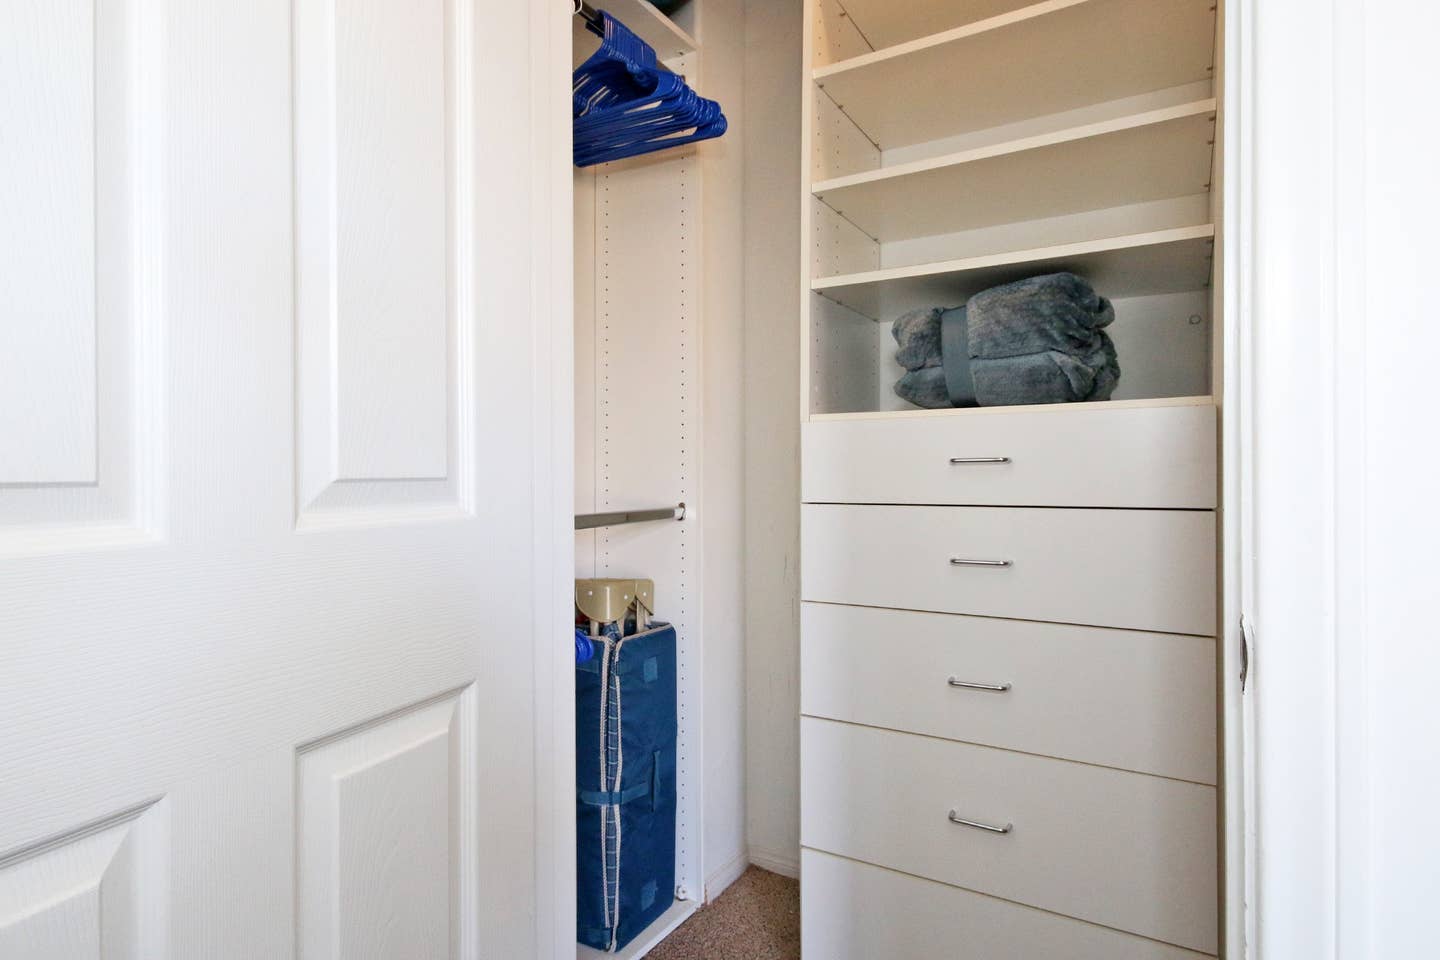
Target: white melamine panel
[856,911]
[886,23]
[380,226]
[1165,346]
[842,371]
[639,332]
[48,294]
[1155,456]
[1137,569]
[96,893]
[834,34]
[838,147]
[1121,698]
[1125,850]
[1042,59]
[385,837]
[1128,160]
[1165,261]
[838,246]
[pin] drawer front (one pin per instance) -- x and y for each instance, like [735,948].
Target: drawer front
[855,911]
[1137,569]
[1124,850]
[1153,457]
[1121,698]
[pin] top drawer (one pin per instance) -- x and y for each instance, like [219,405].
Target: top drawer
[1091,455]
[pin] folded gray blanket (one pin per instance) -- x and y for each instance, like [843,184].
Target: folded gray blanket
[917,338]
[1039,340]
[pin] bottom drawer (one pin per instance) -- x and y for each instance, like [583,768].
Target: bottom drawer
[1124,850]
[855,911]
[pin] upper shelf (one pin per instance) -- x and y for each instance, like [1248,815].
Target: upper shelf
[1148,156]
[646,22]
[1138,265]
[886,23]
[1042,59]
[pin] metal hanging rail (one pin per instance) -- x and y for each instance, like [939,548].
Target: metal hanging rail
[589,521]
[589,14]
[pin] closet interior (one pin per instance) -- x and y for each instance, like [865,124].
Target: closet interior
[1011,705]
[638,497]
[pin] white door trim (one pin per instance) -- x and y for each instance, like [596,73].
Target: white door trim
[553,414]
[1301,445]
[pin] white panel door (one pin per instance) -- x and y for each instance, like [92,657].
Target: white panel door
[276,478]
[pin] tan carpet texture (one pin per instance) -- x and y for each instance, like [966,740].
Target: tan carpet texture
[757,918]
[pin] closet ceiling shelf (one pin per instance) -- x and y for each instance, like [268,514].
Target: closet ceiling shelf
[646,22]
[1143,264]
[1042,59]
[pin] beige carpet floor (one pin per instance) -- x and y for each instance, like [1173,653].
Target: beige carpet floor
[757,918]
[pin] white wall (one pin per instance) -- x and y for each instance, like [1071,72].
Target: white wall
[772,430]
[1344,464]
[720,29]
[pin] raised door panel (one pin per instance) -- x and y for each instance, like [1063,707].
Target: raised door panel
[385,837]
[384,231]
[96,893]
[1136,569]
[1121,698]
[78,338]
[1124,850]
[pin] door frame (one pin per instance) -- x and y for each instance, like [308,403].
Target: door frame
[553,418]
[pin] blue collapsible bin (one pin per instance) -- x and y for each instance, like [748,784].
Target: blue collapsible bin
[625,734]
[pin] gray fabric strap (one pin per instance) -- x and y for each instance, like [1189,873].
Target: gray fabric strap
[955,358]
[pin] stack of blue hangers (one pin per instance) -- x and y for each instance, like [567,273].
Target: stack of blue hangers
[626,104]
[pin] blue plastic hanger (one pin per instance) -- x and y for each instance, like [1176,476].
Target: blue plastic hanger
[626,104]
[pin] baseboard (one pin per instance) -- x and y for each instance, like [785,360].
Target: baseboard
[775,863]
[716,883]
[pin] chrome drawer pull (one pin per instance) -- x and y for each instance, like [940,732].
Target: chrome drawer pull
[956,818]
[958,460]
[962,562]
[997,687]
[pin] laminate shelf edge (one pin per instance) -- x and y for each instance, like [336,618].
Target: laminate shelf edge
[1039,60]
[1057,408]
[1143,264]
[1206,106]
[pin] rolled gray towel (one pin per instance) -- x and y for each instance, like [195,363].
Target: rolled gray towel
[1058,311]
[1042,340]
[1050,377]
[924,388]
[917,339]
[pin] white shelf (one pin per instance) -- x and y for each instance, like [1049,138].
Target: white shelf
[1042,59]
[1163,261]
[885,23]
[1033,408]
[1150,156]
[646,22]
[678,913]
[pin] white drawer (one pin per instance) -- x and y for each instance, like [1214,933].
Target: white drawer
[1138,569]
[1090,455]
[855,911]
[1139,701]
[1124,850]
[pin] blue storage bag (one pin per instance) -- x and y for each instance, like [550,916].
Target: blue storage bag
[625,734]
